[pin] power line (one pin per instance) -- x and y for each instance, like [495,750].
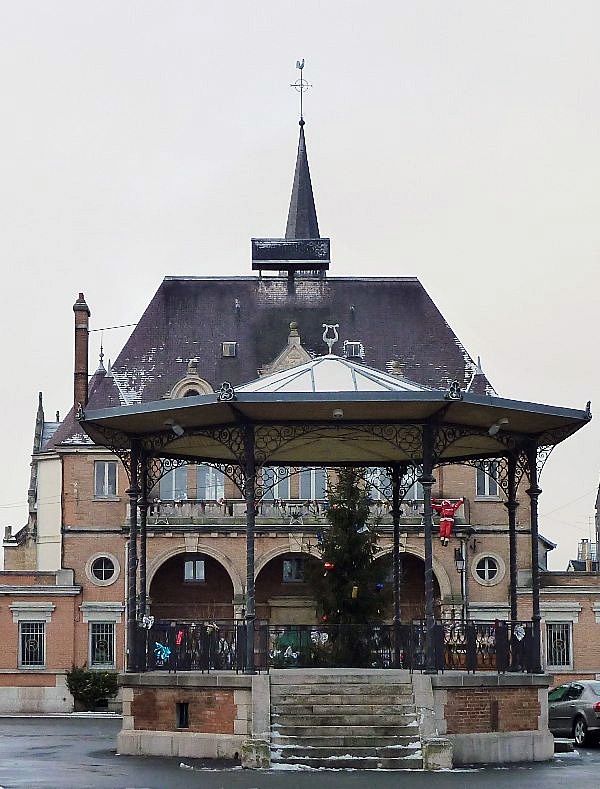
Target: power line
[562,506]
[108,328]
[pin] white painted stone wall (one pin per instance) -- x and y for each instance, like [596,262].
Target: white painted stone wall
[49,514]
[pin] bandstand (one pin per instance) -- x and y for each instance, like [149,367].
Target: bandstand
[332,412]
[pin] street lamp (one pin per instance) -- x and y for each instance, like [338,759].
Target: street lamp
[460,560]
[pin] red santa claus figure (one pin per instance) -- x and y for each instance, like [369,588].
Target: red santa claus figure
[446,510]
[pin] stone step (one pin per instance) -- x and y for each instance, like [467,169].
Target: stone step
[331,731]
[356,763]
[343,709]
[322,752]
[386,677]
[330,699]
[337,717]
[347,740]
[326,688]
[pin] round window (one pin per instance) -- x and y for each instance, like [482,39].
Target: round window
[102,569]
[487,568]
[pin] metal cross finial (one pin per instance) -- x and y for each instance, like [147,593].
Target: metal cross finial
[301,85]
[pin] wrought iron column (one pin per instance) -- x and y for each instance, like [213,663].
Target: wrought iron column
[427,480]
[250,495]
[511,506]
[534,492]
[133,492]
[396,476]
[143,507]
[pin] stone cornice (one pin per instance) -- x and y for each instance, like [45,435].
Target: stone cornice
[40,591]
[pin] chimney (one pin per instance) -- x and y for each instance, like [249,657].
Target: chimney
[585,554]
[82,322]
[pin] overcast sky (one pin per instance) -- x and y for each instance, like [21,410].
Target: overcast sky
[456,142]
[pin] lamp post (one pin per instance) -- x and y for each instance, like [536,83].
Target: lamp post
[460,560]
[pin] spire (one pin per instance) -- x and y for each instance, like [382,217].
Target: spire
[101,356]
[302,216]
[302,252]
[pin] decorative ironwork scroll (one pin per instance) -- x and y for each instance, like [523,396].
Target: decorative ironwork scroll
[157,468]
[379,478]
[230,437]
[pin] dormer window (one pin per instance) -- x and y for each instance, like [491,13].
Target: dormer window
[229,349]
[191,385]
[354,350]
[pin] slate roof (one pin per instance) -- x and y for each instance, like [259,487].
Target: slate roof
[190,318]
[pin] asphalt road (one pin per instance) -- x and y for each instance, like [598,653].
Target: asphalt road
[77,753]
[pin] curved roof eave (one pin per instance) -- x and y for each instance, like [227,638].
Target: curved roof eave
[332,414]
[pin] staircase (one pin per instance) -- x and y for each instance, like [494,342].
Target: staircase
[344,719]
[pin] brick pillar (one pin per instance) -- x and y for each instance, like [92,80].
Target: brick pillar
[82,322]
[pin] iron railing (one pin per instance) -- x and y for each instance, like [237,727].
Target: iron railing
[457,645]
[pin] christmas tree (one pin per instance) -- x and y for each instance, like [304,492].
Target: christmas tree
[349,584]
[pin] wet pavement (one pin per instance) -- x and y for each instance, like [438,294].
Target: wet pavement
[77,753]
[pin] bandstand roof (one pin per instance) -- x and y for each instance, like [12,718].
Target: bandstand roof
[332,374]
[331,411]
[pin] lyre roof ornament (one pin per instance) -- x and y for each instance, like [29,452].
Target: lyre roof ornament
[331,341]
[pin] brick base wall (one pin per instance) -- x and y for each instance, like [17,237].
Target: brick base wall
[474,710]
[211,710]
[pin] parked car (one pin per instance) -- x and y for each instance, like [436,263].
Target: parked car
[574,711]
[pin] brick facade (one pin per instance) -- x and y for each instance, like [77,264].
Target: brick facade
[471,710]
[211,710]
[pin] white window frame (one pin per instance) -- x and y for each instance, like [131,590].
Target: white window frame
[414,493]
[489,480]
[41,624]
[198,568]
[111,664]
[168,485]
[312,483]
[297,563]
[354,349]
[214,483]
[105,492]
[229,349]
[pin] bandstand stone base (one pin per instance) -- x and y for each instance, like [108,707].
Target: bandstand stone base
[481,718]
[187,714]
[493,718]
